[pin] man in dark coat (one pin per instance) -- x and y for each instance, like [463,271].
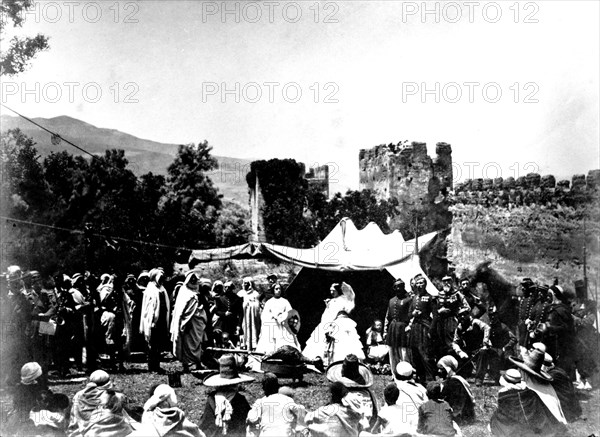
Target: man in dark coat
[521,412]
[563,386]
[503,343]
[477,307]
[559,331]
[445,317]
[472,336]
[418,332]
[228,313]
[396,320]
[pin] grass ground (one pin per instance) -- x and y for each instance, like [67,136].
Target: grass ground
[312,393]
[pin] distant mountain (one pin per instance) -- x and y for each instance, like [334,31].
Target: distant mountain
[144,155]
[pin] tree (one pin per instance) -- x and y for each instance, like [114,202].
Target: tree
[20,50]
[284,190]
[231,227]
[191,201]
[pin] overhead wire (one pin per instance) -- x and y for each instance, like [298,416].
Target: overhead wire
[94,234]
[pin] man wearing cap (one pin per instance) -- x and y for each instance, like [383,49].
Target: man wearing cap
[412,395]
[503,343]
[41,311]
[445,320]
[396,321]
[521,412]
[474,301]
[472,336]
[528,300]
[17,324]
[559,330]
[418,331]
[228,312]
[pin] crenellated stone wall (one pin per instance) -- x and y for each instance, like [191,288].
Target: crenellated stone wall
[531,189]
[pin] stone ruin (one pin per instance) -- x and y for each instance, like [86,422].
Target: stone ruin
[405,171]
[531,189]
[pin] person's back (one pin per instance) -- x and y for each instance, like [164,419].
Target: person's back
[275,415]
[336,419]
[521,412]
[391,418]
[435,418]
[163,418]
[435,415]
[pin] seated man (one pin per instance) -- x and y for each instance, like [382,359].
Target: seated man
[357,378]
[563,386]
[456,391]
[521,412]
[472,336]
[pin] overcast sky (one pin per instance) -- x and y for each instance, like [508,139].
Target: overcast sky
[367,65]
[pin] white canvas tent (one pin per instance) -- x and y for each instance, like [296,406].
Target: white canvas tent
[345,249]
[367,259]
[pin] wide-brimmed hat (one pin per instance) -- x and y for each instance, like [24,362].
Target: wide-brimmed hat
[532,364]
[350,372]
[228,374]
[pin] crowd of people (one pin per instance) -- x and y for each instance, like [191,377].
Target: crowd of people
[431,346]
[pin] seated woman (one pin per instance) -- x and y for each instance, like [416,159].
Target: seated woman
[25,396]
[342,299]
[108,418]
[86,401]
[50,416]
[456,391]
[164,418]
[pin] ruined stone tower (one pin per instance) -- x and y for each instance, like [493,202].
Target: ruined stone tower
[404,171]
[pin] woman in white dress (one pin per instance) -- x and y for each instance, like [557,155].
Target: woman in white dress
[342,299]
[273,334]
[251,315]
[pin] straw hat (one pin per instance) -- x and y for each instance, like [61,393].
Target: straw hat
[228,374]
[532,364]
[350,372]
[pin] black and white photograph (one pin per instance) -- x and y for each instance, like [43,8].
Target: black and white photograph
[302,218]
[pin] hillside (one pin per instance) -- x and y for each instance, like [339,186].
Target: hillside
[144,155]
